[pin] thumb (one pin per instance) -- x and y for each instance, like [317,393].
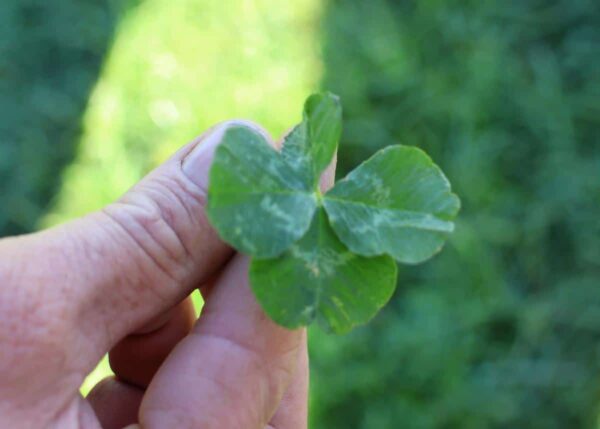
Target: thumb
[108,273]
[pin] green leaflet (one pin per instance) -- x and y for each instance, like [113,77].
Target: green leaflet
[255,201]
[328,258]
[319,278]
[398,202]
[311,145]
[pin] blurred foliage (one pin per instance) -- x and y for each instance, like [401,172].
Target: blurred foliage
[502,329]
[179,67]
[50,56]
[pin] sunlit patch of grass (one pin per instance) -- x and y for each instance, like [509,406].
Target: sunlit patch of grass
[176,68]
[101,371]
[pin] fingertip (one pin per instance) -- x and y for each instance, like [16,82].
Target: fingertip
[196,163]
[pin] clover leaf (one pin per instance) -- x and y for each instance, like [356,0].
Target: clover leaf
[327,258]
[261,201]
[320,278]
[398,202]
[311,145]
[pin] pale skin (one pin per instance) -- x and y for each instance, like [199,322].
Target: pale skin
[118,280]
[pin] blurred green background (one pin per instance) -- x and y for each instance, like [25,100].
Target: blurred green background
[502,329]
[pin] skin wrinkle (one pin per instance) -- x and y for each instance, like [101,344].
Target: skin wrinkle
[213,323]
[191,219]
[93,304]
[69,409]
[128,301]
[293,408]
[156,221]
[273,374]
[163,215]
[164,189]
[168,419]
[143,276]
[236,342]
[95,301]
[199,201]
[138,243]
[248,349]
[268,380]
[222,386]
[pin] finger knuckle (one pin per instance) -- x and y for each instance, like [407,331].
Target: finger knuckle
[157,217]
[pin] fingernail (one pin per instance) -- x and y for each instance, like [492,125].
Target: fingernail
[197,163]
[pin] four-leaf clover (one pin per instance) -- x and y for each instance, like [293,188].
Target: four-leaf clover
[326,257]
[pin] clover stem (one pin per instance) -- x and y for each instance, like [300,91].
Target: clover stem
[319,196]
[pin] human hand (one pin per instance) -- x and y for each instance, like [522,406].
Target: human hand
[118,280]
